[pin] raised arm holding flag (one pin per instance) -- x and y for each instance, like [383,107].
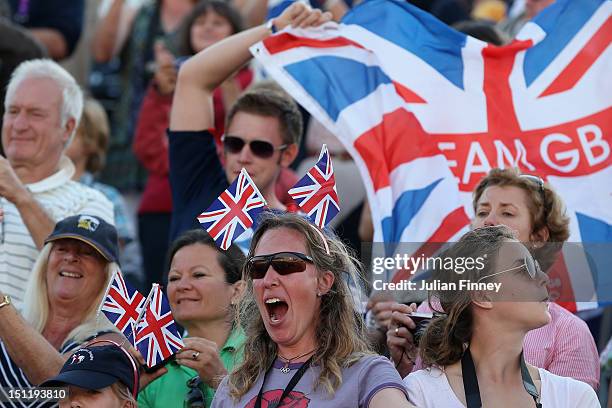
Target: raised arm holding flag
[263,131]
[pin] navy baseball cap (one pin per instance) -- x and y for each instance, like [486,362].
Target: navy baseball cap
[97,367]
[92,230]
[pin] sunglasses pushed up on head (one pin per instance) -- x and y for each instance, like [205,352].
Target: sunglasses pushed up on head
[531,266]
[260,148]
[284,263]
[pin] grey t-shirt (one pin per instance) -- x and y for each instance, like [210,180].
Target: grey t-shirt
[360,382]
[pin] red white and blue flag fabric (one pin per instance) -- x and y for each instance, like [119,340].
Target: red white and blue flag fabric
[427,111]
[316,192]
[157,337]
[122,305]
[234,211]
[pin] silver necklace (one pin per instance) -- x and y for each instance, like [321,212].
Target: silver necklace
[285,369]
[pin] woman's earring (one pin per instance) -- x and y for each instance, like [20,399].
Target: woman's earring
[319,294]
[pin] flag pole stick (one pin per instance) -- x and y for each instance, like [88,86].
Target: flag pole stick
[248,177]
[146,305]
[108,286]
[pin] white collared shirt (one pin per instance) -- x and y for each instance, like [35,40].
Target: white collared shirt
[60,197]
[429,388]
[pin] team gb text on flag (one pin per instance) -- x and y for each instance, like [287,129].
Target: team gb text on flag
[427,111]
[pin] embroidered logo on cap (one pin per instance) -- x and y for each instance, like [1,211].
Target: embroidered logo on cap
[88,222]
[77,358]
[80,355]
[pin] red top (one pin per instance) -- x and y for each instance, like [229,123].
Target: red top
[151,148]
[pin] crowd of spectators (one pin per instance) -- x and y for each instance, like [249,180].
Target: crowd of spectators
[115,170]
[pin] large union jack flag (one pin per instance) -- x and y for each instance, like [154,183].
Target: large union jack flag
[427,111]
[234,211]
[316,192]
[157,337]
[122,305]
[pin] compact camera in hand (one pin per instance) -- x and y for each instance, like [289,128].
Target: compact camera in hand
[421,321]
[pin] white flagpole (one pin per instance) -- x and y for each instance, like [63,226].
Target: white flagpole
[323,150]
[246,174]
[145,306]
[133,334]
[110,282]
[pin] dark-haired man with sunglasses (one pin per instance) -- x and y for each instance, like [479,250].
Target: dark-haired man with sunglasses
[262,133]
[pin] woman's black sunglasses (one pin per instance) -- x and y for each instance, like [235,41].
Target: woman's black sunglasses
[260,148]
[283,263]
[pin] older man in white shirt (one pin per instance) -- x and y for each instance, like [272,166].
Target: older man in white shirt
[43,106]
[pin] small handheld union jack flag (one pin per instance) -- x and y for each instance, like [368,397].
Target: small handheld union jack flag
[234,211]
[316,191]
[157,336]
[122,305]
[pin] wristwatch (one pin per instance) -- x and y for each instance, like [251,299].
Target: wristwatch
[6,300]
[271,26]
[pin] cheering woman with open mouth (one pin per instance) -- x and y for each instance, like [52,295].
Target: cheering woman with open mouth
[306,345]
